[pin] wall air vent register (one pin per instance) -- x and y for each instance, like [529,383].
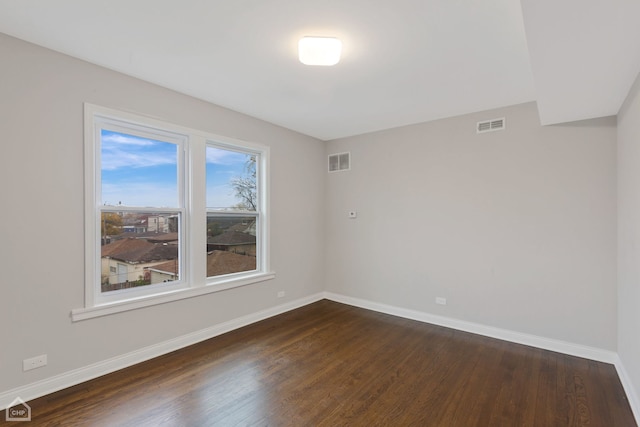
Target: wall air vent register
[490,125]
[339,162]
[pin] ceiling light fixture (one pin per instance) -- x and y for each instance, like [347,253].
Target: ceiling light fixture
[319,50]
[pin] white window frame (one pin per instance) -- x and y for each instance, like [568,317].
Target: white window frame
[192,208]
[102,122]
[262,253]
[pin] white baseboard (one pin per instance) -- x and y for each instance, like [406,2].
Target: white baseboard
[77,376]
[630,391]
[476,328]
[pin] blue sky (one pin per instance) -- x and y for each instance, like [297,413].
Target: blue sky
[222,166]
[143,172]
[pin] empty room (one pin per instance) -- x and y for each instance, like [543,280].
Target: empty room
[292,213]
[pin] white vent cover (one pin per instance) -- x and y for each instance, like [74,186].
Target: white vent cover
[339,162]
[491,125]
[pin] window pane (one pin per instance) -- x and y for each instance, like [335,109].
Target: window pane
[138,171]
[231,244]
[231,180]
[139,249]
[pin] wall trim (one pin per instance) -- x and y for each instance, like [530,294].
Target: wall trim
[77,376]
[630,391]
[571,349]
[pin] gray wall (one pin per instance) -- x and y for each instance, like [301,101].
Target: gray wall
[41,224]
[629,238]
[517,228]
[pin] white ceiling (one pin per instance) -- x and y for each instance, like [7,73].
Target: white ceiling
[585,55]
[404,61]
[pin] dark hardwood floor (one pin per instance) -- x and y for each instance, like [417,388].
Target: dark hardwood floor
[329,364]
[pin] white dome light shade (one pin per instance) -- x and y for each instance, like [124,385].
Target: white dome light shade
[319,50]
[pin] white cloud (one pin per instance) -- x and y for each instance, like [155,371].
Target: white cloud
[113,158]
[119,138]
[219,156]
[129,151]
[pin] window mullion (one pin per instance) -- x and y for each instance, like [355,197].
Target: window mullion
[198,216]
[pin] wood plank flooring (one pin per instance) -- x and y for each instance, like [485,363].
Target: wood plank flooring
[329,364]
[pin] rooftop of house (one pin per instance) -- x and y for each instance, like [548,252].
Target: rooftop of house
[134,250]
[223,262]
[159,237]
[243,227]
[151,236]
[171,267]
[232,238]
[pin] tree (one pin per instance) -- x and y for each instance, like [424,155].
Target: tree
[245,186]
[111,223]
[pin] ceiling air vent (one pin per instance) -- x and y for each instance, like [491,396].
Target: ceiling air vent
[490,125]
[339,162]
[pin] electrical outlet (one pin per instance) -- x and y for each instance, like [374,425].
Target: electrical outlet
[34,362]
[441,301]
[281,294]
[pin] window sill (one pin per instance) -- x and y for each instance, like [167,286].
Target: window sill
[136,303]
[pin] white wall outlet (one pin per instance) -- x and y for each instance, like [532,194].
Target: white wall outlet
[441,301]
[34,362]
[281,294]
[353,214]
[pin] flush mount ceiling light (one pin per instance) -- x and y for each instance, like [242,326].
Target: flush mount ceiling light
[319,50]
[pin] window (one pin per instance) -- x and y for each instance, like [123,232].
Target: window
[156,194]
[140,175]
[233,210]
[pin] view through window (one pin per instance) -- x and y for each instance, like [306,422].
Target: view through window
[233,214]
[140,216]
